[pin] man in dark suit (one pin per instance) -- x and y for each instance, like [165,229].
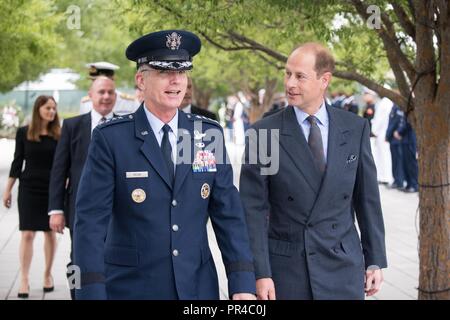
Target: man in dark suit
[301,216]
[150,184]
[71,153]
[187,106]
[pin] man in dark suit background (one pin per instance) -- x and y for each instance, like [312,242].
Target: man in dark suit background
[71,153]
[301,219]
[187,107]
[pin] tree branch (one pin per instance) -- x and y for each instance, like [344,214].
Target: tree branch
[257,46]
[222,47]
[382,91]
[404,20]
[390,42]
[399,75]
[270,62]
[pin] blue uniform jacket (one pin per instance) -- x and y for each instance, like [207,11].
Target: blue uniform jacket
[396,123]
[152,244]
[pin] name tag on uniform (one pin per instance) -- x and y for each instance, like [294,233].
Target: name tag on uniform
[137,174]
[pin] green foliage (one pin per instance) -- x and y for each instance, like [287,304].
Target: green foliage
[277,25]
[101,37]
[28,40]
[35,37]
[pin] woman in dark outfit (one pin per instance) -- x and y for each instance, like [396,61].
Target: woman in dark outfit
[35,145]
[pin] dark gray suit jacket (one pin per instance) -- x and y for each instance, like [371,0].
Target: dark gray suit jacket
[302,228]
[68,163]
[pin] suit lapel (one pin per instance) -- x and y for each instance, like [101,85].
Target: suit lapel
[182,169]
[293,141]
[338,136]
[150,147]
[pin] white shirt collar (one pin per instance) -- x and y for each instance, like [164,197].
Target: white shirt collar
[187,109]
[321,115]
[95,117]
[156,124]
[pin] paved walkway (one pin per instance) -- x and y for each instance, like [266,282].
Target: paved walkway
[400,214]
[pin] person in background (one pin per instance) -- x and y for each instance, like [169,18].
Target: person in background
[402,140]
[71,154]
[35,145]
[124,104]
[187,106]
[380,147]
[279,103]
[369,110]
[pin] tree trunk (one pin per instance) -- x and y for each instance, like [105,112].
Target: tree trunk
[256,108]
[434,200]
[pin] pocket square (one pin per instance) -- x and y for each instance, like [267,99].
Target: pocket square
[351,158]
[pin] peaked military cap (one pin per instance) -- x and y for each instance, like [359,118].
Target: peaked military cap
[165,50]
[101,68]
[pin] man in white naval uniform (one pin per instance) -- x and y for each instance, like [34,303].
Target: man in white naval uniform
[125,103]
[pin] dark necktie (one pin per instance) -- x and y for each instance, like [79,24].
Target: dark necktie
[166,149]
[315,144]
[102,120]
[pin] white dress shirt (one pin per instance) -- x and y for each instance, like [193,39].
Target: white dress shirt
[96,117]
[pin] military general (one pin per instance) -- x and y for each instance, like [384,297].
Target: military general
[145,198]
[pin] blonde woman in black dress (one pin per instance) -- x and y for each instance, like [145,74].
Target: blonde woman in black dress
[35,145]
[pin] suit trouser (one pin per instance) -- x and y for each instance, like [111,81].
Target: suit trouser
[398,170]
[410,165]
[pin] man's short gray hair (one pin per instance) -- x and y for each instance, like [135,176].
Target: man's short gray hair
[143,67]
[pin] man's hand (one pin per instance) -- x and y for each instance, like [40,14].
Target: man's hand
[374,278]
[397,135]
[7,199]
[265,289]
[243,296]
[57,222]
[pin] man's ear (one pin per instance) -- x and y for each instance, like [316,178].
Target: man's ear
[139,80]
[326,79]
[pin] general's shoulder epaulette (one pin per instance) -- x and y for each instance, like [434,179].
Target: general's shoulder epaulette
[116,120]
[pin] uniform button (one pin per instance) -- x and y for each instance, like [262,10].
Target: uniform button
[290,198]
[310,225]
[175,227]
[334,225]
[335,250]
[346,196]
[174,203]
[175,252]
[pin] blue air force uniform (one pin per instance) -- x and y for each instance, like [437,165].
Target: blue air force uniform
[403,151]
[139,235]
